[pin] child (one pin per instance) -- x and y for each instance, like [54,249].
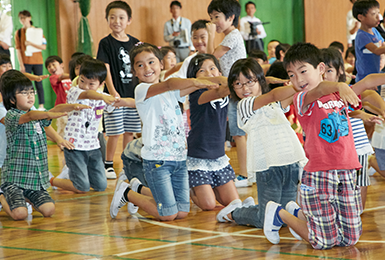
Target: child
[164,144]
[261,58]
[280,51]
[74,67]
[210,174]
[273,149]
[60,84]
[330,199]
[350,60]
[368,43]
[224,15]
[335,72]
[168,61]
[271,50]
[113,51]
[85,162]
[25,169]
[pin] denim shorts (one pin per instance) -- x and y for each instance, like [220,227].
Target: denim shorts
[133,169]
[168,182]
[16,196]
[233,123]
[380,156]
[86,169]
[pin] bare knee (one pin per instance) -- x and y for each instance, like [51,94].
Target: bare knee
[19,213]
[181,214]
[168,218]
[208,205]
[47,210]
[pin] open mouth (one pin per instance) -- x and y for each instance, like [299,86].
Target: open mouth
[304,86]
[149,74]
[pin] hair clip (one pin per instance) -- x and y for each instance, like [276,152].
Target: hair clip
[196,62]
[138,43]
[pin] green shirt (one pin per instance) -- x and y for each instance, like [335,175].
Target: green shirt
[26,163]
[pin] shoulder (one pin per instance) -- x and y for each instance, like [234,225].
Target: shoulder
[132,39]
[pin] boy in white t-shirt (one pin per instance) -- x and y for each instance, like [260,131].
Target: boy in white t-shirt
[85,163]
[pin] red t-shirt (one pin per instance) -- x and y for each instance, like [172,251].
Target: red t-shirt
[329,141]
[60,88]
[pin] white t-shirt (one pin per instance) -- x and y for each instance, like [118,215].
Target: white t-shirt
[270,139]
[182,72]
[82,137]
[350,22]
[245,27]
[378,139]
[163,133]
[237,51]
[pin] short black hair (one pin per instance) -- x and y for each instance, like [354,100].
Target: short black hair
[76,54]
[51,59]
[251,69]
[141,47]
[196,63]
[350,50]
[94,69]
[257,54]
[13,81]
[303,53]
[177,3]
[227,7]
[333,58]
[4,59]
[281,47]
[277,70]
[75,61]
[166,49]
[337,45]
[362,7]
[250,3]
[119,5]
[200,24]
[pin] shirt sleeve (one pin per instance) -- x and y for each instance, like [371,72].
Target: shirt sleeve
[298,101]
[73,95]
[229,41]
[103,52]
[245,109]
[12,120]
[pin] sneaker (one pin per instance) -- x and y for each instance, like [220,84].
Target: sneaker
[131,208]
[135,182]
[29,208]
[293,209]
[118,201]
[222,215]
[64,173]
[271,224]
[242,183]
[50,177]
[371,171]
[122,176]
[248,202]
[110,173]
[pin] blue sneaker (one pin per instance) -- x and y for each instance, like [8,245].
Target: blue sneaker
[272,225]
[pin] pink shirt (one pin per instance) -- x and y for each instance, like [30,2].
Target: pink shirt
[329,141]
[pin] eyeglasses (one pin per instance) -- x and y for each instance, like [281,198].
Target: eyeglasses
[249,84]
[27,93]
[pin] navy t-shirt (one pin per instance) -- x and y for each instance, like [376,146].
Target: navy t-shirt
[208,127]
[115,53]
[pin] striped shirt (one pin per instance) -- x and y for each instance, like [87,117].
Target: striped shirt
[361,141]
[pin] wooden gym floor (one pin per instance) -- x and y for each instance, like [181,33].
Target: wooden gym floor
[83,229]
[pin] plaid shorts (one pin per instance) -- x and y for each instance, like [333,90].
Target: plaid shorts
[331,202]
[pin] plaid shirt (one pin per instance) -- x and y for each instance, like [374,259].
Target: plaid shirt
[26,163]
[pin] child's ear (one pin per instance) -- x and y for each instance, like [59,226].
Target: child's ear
[322,68]
[231,18]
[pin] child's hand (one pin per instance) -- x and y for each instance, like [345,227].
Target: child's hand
[274,80]
[203,83]
[110,100]
[53,115]
[371,119]
[348,95]
[40,78]
[81,107]
[125,102]
[65,144]
[211,28]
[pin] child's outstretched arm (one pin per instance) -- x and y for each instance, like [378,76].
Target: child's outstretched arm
[212,94]
[277,94]
[92,94]
[125,102]
[376,50]
[68,107]
[39,115]
[37,78]
[220,50]
[367,118]
[186,86]
[369,82]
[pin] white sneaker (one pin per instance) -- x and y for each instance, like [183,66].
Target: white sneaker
[118,201]
[131,208]
[29,208]
[135,182]
[291,207]
[122,176]
[222,215]
[64,173]
[110,173]
[371,171]
[243,183]
[271,225]
[248,202]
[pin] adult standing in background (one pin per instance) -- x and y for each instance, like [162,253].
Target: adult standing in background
[352,26]
[253,39]
[6,28]
[177,32]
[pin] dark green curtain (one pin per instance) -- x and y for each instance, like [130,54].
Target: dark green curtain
[85,41]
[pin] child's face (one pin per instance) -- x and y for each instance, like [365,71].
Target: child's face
[372,17]
[118,20]
[331,74]
[169,60]
[199,40]
[4,67]
[223,24]
[260,61]
[250,9]
[304,76]
[25,99]
[147,67]
[208,69]
[88,84]
[77,69]
[271,48]
[55,68]
[245,87]
[351,59]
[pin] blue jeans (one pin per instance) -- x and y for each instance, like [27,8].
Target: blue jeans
[233,123]
[278,184]
[133,169]
[168,182]
[86,169]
